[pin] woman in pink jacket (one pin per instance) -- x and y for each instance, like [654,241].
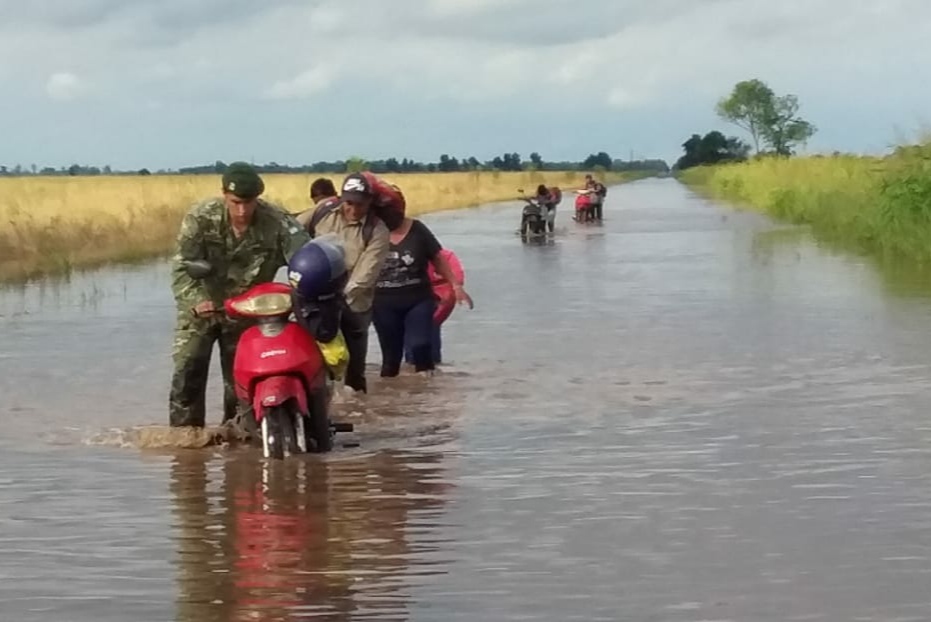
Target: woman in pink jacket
[445,302]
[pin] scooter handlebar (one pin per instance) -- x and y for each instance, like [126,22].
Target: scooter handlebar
[212,313]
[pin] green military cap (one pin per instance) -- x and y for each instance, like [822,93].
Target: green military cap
[242,180]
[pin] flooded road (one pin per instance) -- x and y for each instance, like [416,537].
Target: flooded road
[686,414]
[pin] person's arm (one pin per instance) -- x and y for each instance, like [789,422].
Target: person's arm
[319,213]
[442,266]
[454,263]
[293,236]
[189,293]
[369,265]
[304,217]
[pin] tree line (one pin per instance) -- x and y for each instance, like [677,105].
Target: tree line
[771,120]
[600,161]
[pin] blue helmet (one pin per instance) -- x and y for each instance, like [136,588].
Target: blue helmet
[317,270]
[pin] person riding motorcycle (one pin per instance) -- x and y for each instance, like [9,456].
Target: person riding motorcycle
[548,201]
[597,193]
[318,274]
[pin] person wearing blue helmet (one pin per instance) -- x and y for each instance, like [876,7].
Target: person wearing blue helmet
[317,274]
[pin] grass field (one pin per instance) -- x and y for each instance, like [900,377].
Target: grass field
[876,205]
[52,225]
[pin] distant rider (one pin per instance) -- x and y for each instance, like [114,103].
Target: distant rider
[547,201]
[597,193]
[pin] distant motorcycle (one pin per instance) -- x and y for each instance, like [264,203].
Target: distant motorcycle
[533,218]
[583,206]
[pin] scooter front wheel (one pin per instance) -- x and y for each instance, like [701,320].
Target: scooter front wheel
[278,433]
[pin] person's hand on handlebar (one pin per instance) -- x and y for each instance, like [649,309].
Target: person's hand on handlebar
[204,308]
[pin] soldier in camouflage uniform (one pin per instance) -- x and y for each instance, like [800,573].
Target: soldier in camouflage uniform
[246,240]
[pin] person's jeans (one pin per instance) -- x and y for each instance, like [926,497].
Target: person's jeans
[397,322]
[355,329]
[437,347]
[597,211]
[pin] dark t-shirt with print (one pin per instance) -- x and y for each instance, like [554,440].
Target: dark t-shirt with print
[404,274]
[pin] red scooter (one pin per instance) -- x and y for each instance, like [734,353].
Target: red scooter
[279,370]
[583,206]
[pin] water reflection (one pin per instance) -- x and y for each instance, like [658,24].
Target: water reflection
[329,539]
[898,276]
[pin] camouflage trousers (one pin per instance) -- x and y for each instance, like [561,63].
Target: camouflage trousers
[193,347]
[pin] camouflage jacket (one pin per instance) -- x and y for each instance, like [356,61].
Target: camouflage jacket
[239,264]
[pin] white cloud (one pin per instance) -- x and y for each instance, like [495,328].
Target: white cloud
[304,85]
[164,70]
[325,19]
[64,86]
[456,8]
[520,67]
[621,97]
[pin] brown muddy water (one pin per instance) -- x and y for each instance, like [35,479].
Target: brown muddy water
[686,414]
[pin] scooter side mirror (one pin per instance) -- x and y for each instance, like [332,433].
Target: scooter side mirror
[198,268]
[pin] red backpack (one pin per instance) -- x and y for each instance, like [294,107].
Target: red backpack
[389,204]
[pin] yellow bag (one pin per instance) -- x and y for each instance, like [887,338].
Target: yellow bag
[335,355]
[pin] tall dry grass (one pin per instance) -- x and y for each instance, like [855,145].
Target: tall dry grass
[877,205]
[51,225]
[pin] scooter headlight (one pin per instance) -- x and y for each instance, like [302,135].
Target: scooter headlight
[264,305]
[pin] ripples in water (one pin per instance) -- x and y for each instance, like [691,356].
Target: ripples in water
[304,538]
[715,425]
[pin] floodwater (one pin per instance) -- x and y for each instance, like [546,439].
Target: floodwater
[688,414]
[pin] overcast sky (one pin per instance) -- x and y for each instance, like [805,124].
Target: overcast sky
[168,83]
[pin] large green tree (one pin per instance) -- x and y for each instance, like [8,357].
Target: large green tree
[772,119]
[748,107]
[785,128]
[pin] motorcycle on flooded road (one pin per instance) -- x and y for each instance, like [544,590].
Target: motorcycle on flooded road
[279,370]
[583,207]
[533,218]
